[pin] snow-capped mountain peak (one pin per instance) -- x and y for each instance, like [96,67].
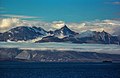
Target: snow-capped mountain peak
[64,32]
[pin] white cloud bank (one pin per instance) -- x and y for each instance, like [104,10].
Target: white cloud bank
[110,26]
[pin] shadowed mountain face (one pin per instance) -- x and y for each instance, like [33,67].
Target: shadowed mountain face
[93,37]
[63,34]
[22,33]
[55,56]
[50,39]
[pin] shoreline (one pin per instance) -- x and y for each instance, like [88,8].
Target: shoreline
[15,54]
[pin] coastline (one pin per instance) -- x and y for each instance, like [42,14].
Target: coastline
[15,54]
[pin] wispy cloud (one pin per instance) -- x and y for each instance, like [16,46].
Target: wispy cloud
[2,8]
[116,3]
[3,11]
[113,2]
[118,13]
[17,16]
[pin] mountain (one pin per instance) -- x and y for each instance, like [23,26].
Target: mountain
[58,35]
[117,33]
[0,33]
[98,37]
[50,39]
[40,30]
[93,37]
[22,33]
[105,38]
[87,33]
[64,32]
[55,56]
[80,38]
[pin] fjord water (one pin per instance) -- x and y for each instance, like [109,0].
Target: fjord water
[101,48]
[59,70]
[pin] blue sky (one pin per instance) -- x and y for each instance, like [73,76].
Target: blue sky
[65,10]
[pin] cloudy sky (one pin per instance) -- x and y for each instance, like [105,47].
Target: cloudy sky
[79,15]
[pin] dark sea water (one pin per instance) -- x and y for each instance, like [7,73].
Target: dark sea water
[59,70]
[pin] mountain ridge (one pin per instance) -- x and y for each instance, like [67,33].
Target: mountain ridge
[14,54]
[63,34]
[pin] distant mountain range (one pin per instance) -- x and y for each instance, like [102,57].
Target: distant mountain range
[64,34]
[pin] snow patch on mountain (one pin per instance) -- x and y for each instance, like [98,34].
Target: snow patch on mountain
[87,33]
[23,55]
